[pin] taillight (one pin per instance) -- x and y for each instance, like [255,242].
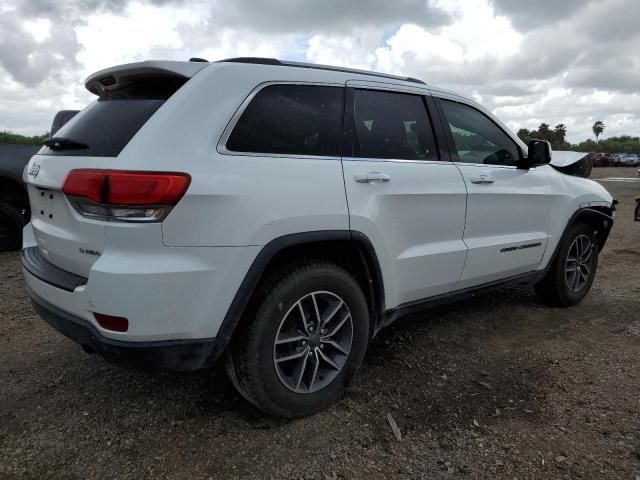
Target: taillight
[124,195]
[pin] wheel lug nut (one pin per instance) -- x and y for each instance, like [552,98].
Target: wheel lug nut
[321,347]
[323,331]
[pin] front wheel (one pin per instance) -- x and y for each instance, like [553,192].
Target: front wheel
[304,342]
[572,272]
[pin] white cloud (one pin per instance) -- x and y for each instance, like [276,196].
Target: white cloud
[40,29]
[109,39]
[529,62]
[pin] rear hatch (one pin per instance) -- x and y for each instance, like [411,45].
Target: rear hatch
[128,96]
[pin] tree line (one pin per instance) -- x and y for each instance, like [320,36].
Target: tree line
[15,139]
[557,137]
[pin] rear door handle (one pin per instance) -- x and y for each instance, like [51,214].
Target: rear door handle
[373,177]
[483,180]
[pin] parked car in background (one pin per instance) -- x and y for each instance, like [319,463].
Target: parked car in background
[615,159]
[629,159]
[60,119]
[285,226]
[625,159]
[14,201]
[601,160]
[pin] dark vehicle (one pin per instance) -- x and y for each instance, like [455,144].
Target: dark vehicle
[602,160]
[62,117]
[14,202]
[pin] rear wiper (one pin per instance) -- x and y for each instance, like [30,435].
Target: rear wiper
[64,143]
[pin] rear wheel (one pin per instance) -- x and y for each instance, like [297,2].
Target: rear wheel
[297,354]
[11,224]
[572,273]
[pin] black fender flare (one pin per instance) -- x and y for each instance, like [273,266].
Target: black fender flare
[603,221]
[270,250]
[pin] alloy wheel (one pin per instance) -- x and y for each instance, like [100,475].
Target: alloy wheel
[313,342]
[579,264]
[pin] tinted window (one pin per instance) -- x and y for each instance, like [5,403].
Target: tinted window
[391,125]
[290,120]
[477,138]
[108,124]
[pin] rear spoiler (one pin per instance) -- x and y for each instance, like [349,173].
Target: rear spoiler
[117,77]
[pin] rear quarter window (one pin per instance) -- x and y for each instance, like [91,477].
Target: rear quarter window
[290,120]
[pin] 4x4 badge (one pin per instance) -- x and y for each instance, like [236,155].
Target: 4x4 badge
[34,170]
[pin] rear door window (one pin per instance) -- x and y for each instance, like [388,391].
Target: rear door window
[391,125]
[290,120]
[107,125]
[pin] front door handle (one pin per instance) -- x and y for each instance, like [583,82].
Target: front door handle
[373,177]
[483,180]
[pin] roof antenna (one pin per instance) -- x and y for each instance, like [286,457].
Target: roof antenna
[197,59]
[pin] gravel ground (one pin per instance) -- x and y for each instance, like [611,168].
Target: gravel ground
[495,387]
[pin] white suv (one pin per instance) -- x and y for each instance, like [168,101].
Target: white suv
[283,213]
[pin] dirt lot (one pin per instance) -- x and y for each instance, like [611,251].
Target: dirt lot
[495,387]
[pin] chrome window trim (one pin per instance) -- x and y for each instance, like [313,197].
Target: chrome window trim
[221,148]
[395,160]
[486,165]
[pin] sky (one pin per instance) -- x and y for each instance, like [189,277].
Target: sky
[552,61]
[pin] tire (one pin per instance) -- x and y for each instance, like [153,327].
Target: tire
[255,361]
[11,224]
[561,287]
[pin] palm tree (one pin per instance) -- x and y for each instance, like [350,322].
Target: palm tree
[559,136]
[561,132]
[544,131]
[598,128]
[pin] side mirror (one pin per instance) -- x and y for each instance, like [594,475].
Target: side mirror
[637,213]
[538,153]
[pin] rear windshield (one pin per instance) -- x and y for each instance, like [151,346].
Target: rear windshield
[107,125]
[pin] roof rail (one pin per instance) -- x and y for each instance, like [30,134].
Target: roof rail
[254,60]
[284,63]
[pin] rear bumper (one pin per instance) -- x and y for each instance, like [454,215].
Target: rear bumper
[39,267]
[153,355]
[166,293]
